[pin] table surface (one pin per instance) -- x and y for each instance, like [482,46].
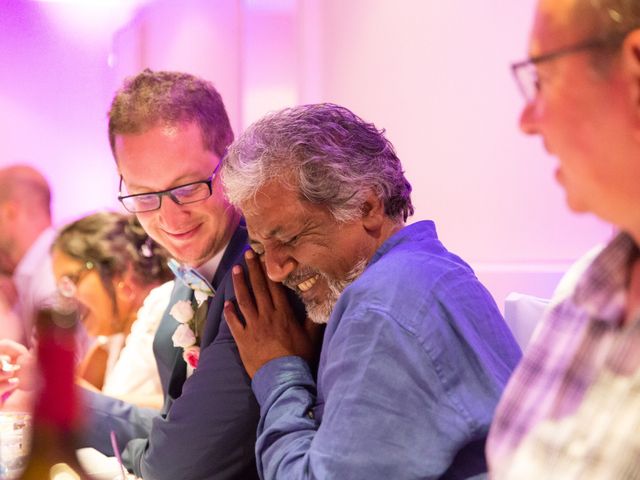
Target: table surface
[100,466]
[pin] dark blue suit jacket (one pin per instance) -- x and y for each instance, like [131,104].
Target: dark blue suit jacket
[208,424]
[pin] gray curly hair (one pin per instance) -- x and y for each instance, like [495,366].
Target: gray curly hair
[609,20]
[328,153]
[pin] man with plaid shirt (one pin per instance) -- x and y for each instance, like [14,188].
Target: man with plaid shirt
[572,407]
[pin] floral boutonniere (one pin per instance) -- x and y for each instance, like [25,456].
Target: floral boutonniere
[191,318]
[190,314]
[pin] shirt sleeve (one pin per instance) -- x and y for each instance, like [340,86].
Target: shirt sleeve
[104,414]
[387,413]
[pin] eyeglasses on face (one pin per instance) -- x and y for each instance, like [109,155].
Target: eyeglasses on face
[68,284]
[182,195]
[526,72]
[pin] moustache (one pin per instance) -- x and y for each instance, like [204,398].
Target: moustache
[297,277]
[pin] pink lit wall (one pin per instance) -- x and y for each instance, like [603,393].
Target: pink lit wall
[434,74]
[55,86]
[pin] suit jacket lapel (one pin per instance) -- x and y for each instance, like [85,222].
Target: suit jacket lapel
[169,358]
[236,245]
[179,375]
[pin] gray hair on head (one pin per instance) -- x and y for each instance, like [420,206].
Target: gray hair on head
[609,20]
[332,156]
[603,18]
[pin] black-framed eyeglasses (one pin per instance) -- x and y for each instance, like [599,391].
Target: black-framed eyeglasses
[182,195]
[68,284]
[526,74]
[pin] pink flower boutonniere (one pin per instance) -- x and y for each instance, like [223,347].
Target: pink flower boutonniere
[191,355]
[187,335]
[190,314]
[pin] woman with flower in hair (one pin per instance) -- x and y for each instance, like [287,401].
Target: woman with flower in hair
[117,274]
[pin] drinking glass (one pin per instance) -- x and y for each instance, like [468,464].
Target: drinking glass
[15,436]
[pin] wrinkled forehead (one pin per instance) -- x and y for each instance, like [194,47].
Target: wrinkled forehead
[278,211]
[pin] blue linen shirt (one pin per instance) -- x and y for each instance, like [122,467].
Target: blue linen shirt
[414,359]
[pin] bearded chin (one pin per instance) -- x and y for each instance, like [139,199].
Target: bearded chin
[319,312]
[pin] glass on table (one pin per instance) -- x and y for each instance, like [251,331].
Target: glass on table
[15,435]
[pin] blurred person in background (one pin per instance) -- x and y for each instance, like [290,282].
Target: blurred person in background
[120,278]
[26,234]
[17,377]
[571,410]
[10,324]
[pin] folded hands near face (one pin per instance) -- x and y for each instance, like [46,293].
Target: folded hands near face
[270,329]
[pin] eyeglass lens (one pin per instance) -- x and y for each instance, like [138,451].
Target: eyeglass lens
[181,195]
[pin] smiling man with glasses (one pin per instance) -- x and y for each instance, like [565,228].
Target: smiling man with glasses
[182,195]
[168,132]
[572,407]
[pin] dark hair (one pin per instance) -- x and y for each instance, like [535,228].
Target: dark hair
[155,98]
[114,242]
[332,156]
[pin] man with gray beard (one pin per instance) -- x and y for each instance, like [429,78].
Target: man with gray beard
[415,353]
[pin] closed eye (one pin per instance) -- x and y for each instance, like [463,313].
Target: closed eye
[144,201]
[292,241]
[188,190]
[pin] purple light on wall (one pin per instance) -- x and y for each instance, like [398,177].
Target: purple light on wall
[55,88]
[89,20]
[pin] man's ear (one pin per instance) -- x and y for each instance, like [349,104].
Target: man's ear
[373,215]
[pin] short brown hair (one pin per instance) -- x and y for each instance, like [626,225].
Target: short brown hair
[151,98]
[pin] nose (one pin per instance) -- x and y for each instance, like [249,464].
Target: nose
[529,118]
[171,213]
[279,264]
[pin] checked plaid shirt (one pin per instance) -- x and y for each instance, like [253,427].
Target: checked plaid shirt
[571,410]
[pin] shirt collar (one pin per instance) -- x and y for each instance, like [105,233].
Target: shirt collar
[602,292]
[208,268]
[34,256]
[418,231]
